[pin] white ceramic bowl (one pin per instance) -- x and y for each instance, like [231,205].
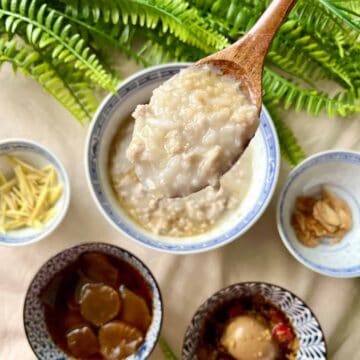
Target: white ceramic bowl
[114,109]
[36,155]
[339,171]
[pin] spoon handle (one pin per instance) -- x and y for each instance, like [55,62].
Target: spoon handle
[250,50]
[266,27]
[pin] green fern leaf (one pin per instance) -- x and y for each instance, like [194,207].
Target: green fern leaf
[120,37]
[317,18]
[292,95]
[44,29]
[159,49]
[173,16]
[74,97]
[289,145]
[346,14]
[292,36]
[166,350]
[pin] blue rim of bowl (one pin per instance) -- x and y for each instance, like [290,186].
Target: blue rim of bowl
[11,145]
[127,253]
[324,156]
[248,283]
[97,128]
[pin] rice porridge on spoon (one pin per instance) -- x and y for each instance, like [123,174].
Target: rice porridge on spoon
[175,217]
[195,127]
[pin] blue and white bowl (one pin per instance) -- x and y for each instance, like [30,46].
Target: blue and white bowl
[339,171]
[312,344]
[38,156]
[116,108]
[34,318]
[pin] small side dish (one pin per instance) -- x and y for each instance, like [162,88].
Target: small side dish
[98,307]
[336,215]
[318,217]
[27,195]
[254,321]
[195,127]
[248,328]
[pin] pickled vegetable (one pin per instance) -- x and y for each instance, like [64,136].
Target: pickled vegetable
[118,340]
[82,342]
[134,310]
[97,268]
[99,303]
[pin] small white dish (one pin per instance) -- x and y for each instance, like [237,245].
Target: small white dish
[339,171]
[115,109]
[38,156]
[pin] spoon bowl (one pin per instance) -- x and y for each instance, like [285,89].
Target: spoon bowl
[244,60]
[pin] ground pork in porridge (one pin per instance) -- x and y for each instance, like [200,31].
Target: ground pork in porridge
[187,216]
[195,127]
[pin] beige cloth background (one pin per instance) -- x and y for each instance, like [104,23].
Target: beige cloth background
[186,281]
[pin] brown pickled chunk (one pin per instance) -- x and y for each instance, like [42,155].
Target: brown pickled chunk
[82,342]
[134,310]
[118,340]
[315,218]
[98,268]
[99,303]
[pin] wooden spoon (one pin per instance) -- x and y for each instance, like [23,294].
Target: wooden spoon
[244,60]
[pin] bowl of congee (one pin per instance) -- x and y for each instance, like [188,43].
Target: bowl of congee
[179,159]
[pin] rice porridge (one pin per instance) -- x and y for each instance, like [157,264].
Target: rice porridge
[195,127]
[178,217]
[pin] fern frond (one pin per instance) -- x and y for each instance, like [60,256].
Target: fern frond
[172,16]
[292,95]
[166,350]
[295,65]
[289,145]
[292,35]
[120,37]
[317,18]
[45,29]
[234,16]
[159,49]
[346,14]
[74,97]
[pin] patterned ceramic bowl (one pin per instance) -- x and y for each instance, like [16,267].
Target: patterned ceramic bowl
[34,320]
[339,171]
[306,326]
[37,155]
[115,109]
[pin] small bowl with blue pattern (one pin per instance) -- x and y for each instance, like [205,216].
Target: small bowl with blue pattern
[310,343]
[39,157]
[339,172]
[111,114]
[35,325]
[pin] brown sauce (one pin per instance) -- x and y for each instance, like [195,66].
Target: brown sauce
[98,294]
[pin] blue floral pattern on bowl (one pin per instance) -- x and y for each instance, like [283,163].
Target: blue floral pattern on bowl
[312,344]
[34,319]
[130,89]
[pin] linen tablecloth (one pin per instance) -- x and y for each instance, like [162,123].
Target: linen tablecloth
[186,281]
